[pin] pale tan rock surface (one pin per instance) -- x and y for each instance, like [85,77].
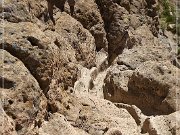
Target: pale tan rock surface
[58,125]
[147,47]
[88,14]
[46,49]
[153,87]
[23,11]
[161,83]
[23,100]
[7,126]
[94,116]
[79,38]
[162,125]
[106,70]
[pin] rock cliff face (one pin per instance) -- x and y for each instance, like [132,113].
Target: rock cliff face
[106,70]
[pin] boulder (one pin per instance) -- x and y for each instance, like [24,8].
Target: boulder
[158,86]
[24,11]
[153,87]
[58,125]
[88,14]
[7,126]
[145,47]
[162,125]
[43,52]
[105,70]
[24,103]
[79,38]
[121,18]
[116,84]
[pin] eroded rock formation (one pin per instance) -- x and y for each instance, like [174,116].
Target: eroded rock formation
[106,70]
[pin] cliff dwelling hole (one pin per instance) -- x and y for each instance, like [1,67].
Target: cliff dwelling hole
[18,127]
[51,108]
[38,123]
[34,42]
[6,83]
[116,132]
[25,98]
[56,42]
[13,116]
[10,101]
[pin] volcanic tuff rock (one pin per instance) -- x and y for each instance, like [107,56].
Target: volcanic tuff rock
[44,49]
[88,14]
[7,125]
[153,87]
[106,70]
[165,124]
[17,95]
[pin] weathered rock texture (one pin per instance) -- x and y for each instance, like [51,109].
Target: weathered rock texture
[7,125]
[105,70]
[22,98]
[88,14]
[153,87]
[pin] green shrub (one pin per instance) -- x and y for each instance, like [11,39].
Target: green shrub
[168,12]
[163,24]
[168,16]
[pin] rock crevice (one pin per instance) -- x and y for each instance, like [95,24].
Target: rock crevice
[106,70]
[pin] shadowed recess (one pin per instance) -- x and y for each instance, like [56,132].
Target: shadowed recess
[5,83]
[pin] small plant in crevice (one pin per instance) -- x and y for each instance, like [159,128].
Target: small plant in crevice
[168,16]
[168,11]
